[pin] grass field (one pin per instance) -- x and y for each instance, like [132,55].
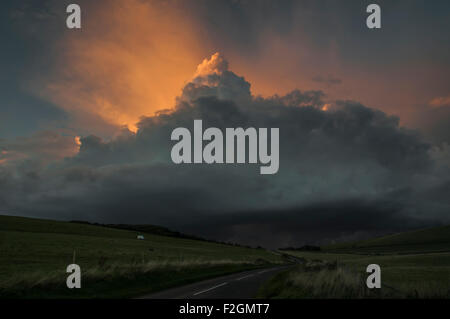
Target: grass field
[35,253]
[413,265]
[422,241]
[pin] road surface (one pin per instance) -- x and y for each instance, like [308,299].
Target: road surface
[242,285]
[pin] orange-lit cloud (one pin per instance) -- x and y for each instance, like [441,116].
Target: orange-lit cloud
[44,146]
[440,101]
[326,107]
[216,64]
[128,61]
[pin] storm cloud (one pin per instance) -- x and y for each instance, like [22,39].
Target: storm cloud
[346,171]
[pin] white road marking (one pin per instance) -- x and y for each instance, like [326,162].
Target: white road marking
[203,291]
[251,275]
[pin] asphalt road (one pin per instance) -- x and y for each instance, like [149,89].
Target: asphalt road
[242,285]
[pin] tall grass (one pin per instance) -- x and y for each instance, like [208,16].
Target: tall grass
[119,275]
[325,280]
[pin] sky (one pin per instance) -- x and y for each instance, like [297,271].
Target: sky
[86,115]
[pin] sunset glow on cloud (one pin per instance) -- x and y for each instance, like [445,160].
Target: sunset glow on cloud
[131,66]
[440,101]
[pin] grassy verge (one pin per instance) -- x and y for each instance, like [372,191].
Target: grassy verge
[431,269]
[118,281]
[326,279]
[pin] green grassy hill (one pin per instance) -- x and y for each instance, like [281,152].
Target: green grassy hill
[413,264]
[435,239]
[34,254]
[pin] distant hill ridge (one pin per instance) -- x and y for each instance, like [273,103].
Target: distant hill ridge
[149,229]
[436,239]
[35,225]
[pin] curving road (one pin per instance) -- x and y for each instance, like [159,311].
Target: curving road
[242,285]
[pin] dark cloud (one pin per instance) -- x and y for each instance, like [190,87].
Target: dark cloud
[311,224]
[346,171]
